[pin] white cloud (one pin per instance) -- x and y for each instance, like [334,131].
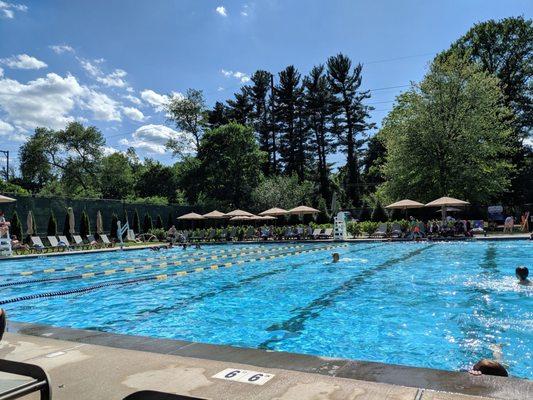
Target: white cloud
[245,10]
[61,48]
[133,113]
[108,150]
[151,138]
[114,78]
[156,100]
[91,69]
[1,72]
[7,10]
[241,76]
[50,101]
[221,10]
[529,142]
[23,61]
[7,131]
[133,99]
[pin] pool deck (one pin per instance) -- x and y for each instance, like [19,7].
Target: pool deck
[490,237]
[95,365]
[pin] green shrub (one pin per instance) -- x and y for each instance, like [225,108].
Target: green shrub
[368,227]
[159,233]
[159,222]
[353,228]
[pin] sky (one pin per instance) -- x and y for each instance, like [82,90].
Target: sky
[113,64]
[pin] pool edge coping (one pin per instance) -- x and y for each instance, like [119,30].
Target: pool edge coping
[370,371]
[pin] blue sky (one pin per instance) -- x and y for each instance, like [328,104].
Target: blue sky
[112,63]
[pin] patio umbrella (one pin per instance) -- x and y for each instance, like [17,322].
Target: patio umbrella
[274,212]
[214,215]
[240,218]
[71,221]
[5,199]
[404,205]
[238,213]
[268,218]
[303,210]
[444,202]
[450,209]
[29,223]
[99,223]
[192,217]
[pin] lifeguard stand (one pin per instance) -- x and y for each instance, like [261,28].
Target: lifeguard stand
[5,245]
[339,227]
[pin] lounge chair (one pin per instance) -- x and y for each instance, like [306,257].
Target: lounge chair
[231,234]
[223,235]
[37,244]
[152,395]
[211,235]
[249,234]
[80,243]
[396,231]
[64,240]
[13,387]
[54,243]
[381,231]
[328,233]
[265,233]
[105,240]
[478,226]
[317,233]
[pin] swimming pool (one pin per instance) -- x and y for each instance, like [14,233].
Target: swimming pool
[437,305]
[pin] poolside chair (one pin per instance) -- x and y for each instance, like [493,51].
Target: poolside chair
[396,230]
[105,240]
[249,234]
[153,395]
[54,243]
[63,239]
[211,235]
[478,226]
[328,233]
[265,233]
[223,235]
[37,244]
[381,231]
[14,387]
[231,234]
[316,233]
[80,243]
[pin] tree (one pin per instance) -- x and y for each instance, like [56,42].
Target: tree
[85,224]
[147,223]
[51,230]
[378,213]
[136,222]
[16,226]
[35,167]
[448,136]
[159,222]
[373,161]
[282,191]
[156,179]
[116,177]
[170,220]
[504,49]
[113,232]
[350,119]
[240,109]
[66,226]
[218,116]
[288,114]
[189,114]
[229,164]
[318,102]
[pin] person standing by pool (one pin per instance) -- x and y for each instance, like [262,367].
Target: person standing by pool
[522,273]
[2,322]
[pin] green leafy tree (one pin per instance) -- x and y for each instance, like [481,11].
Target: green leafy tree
[51,230]
[365,213]
[85,224]
[136,222]
[230,162]
[116,177]
[156,180]
[448,136]
[218,116]
[373,161]
[159,222]
[35,168]
[240,110]
[114,227]
[147,223]
[16,226]
[282,191]
[378,213]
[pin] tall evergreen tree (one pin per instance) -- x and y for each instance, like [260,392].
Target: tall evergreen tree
[52,225]
[85,225]
[170,220]
[289,122]
[159,222]
[318,102]
[16,226]
[66,225]
[147,223]
[240,109]
[351,116]
[114,228]
[136,222]
[218,116]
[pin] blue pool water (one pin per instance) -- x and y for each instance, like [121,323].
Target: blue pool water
[436,305]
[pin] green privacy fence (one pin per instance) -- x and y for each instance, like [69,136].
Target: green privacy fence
[42,207]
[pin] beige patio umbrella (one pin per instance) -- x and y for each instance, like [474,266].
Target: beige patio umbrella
[445,202]
[99,223]
[238,213]
[29,223]
[268,218]
[240,218]
[71,221]
[404,205]
[214,215]
[192,217]
[274,212]
[5,199]
[303,210]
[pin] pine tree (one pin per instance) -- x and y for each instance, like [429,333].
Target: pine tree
[16,226]
[114,228]
[218,116]
[136,222]
[85,224]
[147,223]
[240,109]
[66,230]
[350,123]
[170,220]
[52,225]
[365,214]
[125,218]
[159,222]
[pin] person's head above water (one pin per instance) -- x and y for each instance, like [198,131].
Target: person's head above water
[522,273]
[490,367]
[336,257]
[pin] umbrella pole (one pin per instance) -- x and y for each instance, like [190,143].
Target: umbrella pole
[443,212]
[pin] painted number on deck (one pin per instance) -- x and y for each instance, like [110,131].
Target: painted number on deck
[244,376]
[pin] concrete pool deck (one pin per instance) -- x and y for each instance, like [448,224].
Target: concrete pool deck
[96,365]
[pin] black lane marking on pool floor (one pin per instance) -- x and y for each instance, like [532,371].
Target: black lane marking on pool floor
[296,324]
[180,304]
[147,278]
[147,267]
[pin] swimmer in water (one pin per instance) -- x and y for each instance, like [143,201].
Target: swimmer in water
[489,367]
[184,246]
[336,257]
[522,273]
[155,248]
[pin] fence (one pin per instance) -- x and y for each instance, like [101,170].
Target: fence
[42,207]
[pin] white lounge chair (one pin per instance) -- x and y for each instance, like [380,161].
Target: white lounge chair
[105,240]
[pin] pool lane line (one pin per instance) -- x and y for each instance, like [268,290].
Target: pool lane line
[71,267]
[236,285]
[160,277]
[162,265]
[155,264]
[313,309]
